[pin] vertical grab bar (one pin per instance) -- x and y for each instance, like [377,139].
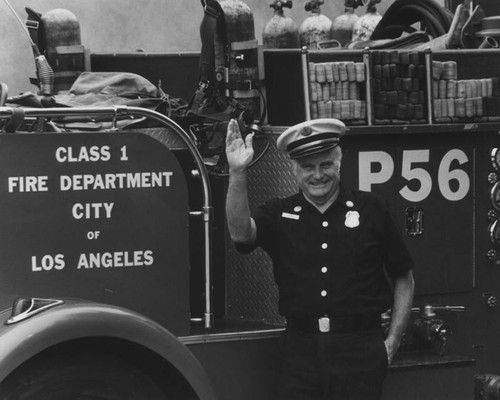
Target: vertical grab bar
[304,56]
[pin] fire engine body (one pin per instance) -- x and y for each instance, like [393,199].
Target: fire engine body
[115,256]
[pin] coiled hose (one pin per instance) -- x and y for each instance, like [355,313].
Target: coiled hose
[402,14]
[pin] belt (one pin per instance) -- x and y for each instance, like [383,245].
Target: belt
[337,324]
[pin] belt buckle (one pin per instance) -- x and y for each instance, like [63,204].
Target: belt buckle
[324,324]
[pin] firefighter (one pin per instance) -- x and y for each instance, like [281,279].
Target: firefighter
[339,262]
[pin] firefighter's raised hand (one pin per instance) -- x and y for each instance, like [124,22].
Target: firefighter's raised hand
[239,152]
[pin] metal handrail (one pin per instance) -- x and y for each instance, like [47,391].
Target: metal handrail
[121,111]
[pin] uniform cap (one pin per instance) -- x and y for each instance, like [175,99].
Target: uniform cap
[311,137]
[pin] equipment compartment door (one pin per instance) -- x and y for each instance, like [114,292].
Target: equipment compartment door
[428,180]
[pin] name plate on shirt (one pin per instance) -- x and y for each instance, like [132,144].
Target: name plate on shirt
[290,216]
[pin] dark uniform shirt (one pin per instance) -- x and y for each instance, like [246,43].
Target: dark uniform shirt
[334,263]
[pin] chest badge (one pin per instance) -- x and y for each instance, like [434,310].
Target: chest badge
[352,219]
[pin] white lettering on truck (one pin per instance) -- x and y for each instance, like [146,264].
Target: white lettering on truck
[121,180]
[92,210]
[116,259]
[83,154]
[27,184]
[47,263]
[377,167]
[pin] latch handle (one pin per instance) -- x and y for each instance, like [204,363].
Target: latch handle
[414,221]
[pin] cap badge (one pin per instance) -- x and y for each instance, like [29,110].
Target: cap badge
[352,219]
[306,131]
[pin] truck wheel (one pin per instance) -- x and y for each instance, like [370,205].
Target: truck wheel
[80,377]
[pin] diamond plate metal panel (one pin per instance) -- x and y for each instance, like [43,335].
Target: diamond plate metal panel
[251,291]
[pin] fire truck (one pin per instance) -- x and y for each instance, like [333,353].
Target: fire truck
[117,278]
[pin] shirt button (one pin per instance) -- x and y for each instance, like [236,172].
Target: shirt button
[325,224]
[324,270]
[323,293]
[324,246]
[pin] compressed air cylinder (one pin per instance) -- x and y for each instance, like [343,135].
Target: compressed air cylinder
[62,31]
[241,59]
[316,28]
[343,25]
[280,32]
[366,24]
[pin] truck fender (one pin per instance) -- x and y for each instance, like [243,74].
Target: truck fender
[75,319]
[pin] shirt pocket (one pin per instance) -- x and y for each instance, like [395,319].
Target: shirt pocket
[346,239]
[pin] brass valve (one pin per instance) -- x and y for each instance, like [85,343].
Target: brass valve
[313,5]
[279,4]
[432,332]
[429,311]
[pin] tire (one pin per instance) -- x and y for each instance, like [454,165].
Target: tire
[80,377]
